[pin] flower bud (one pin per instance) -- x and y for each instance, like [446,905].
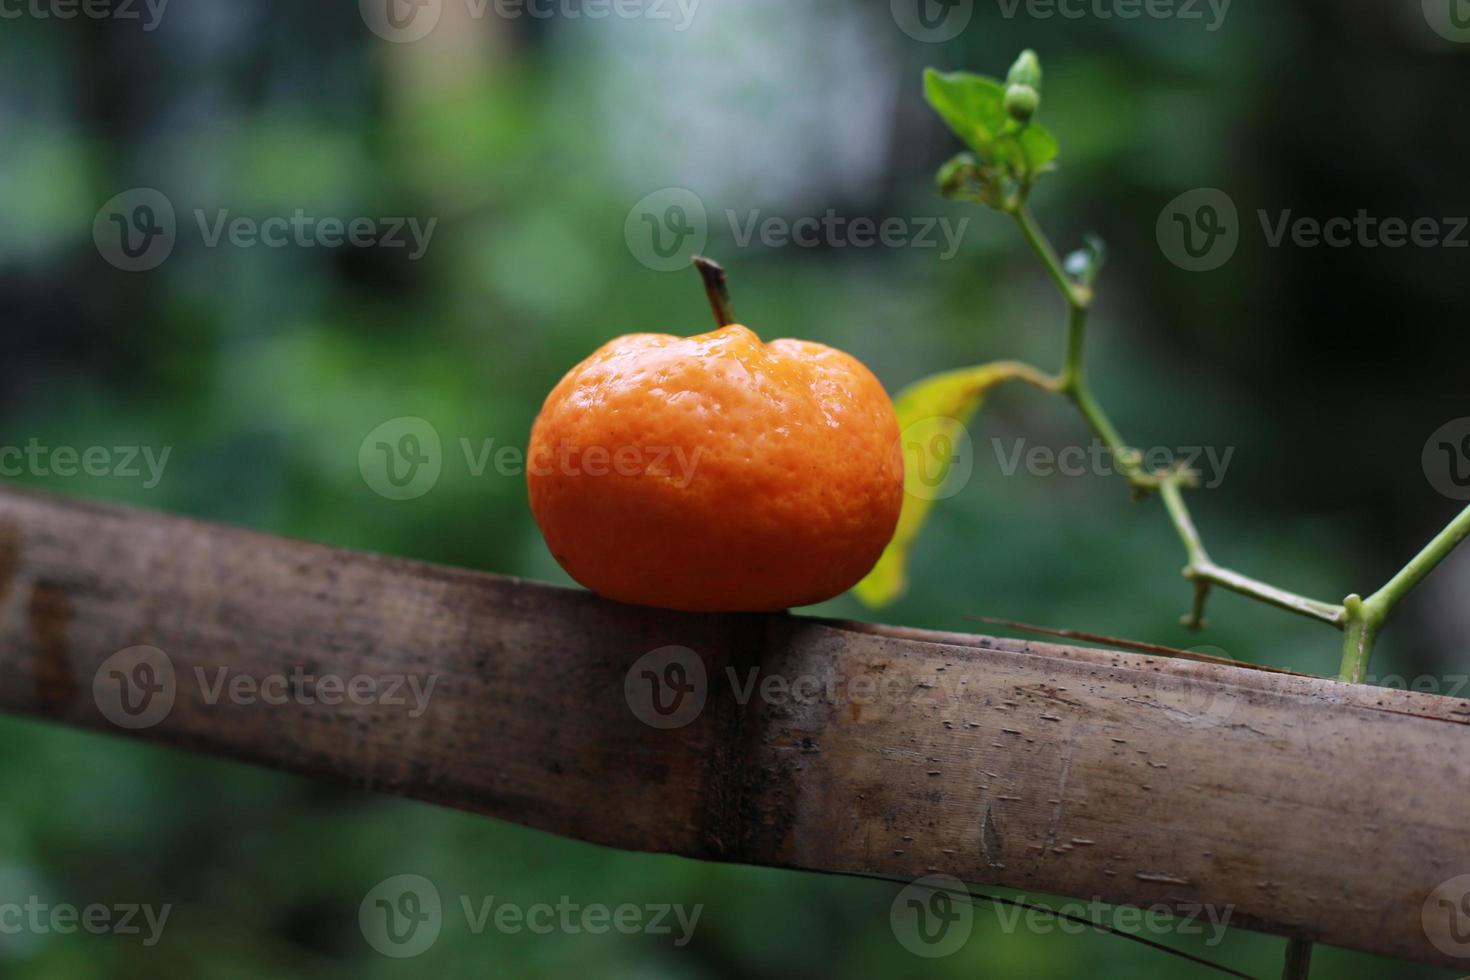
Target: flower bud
[1022,102]
[1026,71]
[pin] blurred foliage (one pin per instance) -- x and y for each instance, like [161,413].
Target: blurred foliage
[530,140]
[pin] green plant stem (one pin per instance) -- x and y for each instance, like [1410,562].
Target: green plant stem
[1072,382]
[1075,295]
[1381,603]
[1365,617]
[1203,571]
[1361,629]
[1360,619]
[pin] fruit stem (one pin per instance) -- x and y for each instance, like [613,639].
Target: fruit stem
[717,289]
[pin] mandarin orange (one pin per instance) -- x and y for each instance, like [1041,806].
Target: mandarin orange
[716,473]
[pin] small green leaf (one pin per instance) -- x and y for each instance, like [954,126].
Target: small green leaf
[931,413]
[1038,149]
[972,105]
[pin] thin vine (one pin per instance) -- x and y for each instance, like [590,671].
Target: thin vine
[1010,154]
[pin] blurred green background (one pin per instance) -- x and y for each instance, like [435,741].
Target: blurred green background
[531,140]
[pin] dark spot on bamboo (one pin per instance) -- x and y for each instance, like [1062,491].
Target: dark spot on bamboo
[990,840]
[9,556]
[49,611]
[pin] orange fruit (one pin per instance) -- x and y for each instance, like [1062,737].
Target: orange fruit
[716,473]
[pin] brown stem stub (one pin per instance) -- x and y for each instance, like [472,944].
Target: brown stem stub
[716,287]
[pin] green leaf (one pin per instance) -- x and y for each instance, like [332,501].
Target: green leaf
[1039,147]
[931,418]
[972,105]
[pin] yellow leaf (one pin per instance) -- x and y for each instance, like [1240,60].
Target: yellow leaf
[932,414]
